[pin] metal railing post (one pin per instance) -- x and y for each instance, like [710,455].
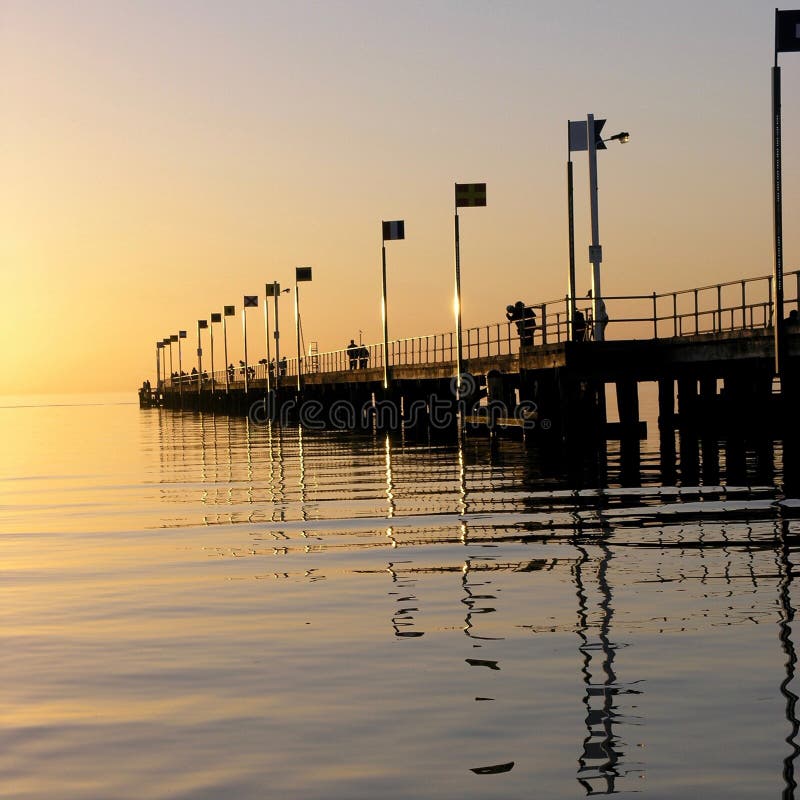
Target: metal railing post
[772,310]
[655,317]
[744,305]
[543,307]
[675,313]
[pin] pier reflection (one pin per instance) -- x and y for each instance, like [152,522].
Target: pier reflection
[472,535]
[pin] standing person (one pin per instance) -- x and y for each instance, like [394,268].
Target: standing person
[363,357]
[353,353]
[578,326]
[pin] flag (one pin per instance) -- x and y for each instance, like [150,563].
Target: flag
[216,317]
[229,310]
[787,31]
[202,323]
[302,274]
[160,345]
[251,301]
[272,289]
[165,342]
[394,230]
[470,194]
[578,138]
[173,337]
[181,334]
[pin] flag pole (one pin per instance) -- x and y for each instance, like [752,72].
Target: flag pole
[385,322]
[266,333]
[595,253]
[571,225]
[180,370]
[158,367]
[244,331]
[211,334]
[277,291]
[170,362]
[297,327]
[777,321]
[225,350]
[199,365]
[459,364]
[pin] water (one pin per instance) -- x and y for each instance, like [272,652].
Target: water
[194,607]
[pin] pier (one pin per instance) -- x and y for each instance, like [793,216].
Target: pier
[709,349]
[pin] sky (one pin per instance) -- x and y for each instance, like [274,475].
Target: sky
[161,159]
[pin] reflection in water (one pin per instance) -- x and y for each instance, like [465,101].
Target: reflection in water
[402,593]
[475,603]
[787,613]
[599,763]
[398,619]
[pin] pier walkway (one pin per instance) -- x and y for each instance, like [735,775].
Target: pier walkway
[710,349]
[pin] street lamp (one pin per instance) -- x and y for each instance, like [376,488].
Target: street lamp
[181,335]
[300,274]
[395,229]
[274,290]
[586,136]
[250,301]
[215,317]
[202,324]
[227,311]
[159,348]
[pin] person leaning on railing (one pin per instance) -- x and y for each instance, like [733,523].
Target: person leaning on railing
[525,319]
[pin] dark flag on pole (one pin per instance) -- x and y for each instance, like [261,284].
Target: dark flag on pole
[216,317]
[394,230]
[229,310]
[181,334]
[173,337]
[578,138]
[251,301]
[787,31]
[202,323]
[302,273]
[470,194]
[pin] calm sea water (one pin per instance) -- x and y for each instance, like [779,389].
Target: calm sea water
[195,607]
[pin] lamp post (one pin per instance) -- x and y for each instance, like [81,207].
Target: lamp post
[467,194]
[201,325]
[181,335]
[391,230]
[173,337]
[250,301]
[586,136]
[269,291]
[227,311]
[300,274]
[168,341]
[215,317]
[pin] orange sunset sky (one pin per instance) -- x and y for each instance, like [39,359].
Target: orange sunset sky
[161,159]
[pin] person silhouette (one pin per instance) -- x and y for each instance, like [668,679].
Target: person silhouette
[353,352]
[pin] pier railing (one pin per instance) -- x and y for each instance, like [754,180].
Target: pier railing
[735,305]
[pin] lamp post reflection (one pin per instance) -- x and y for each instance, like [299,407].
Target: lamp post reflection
[598,770]
[786,619]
